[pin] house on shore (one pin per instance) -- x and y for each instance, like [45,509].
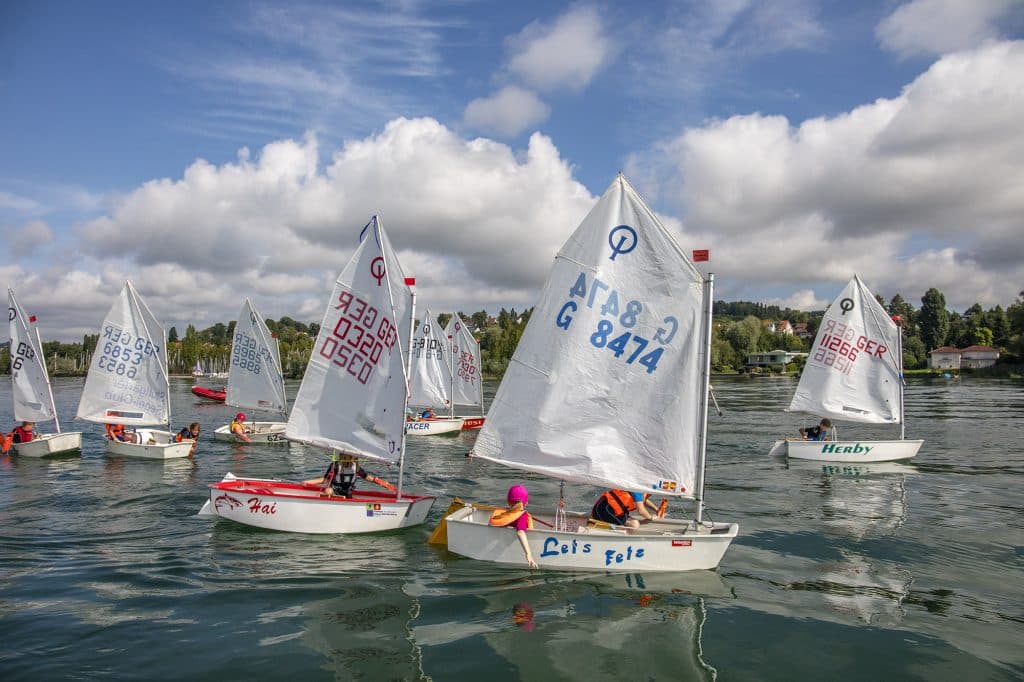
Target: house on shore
[775,359]
[972,357]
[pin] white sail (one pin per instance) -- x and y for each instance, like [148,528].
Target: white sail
[255,379]
[430,380]
[468,387]
[353,394]
[854,370]
[127,381]
[30,382]
[607,384]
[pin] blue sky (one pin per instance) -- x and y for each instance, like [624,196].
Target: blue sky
[211,151]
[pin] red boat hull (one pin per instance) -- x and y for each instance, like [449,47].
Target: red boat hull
[210,393]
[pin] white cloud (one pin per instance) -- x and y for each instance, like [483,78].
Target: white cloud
[30,237]
[935,27]
[567,53]
[19,203]
[474,220]
[922,190]
[804,299]
[507,112]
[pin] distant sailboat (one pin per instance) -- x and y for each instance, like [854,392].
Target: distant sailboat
[854,373]
[255,381]
[30,387]
[128,383]
[467,381]
[430,381]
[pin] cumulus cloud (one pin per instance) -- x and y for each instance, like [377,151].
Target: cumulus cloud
[507,112]
[566,53]
[922,190]
[474,220]
[30,237]
[935,27]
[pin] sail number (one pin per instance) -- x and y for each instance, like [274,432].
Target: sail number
[616,309]
[123,352]
[359,338]
[23,353]
[427,350]
[839,346]
[247,355]
[467,366]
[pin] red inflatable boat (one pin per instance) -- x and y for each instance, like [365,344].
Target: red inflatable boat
[217,395]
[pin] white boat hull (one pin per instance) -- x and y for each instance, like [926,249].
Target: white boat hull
[152,444]
[433,427]
[300,508]
[659,546]
[262,433]
[847,451]
[43,445]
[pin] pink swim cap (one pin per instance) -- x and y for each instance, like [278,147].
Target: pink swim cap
[517,493]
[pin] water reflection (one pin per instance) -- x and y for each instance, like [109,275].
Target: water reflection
[570,626]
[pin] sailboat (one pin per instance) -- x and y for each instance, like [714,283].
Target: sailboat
[430,381]
[128,381]
[30,386]
[255,380]
[608,387]
[854,373]
[351,401]
[467,382]
[197,371]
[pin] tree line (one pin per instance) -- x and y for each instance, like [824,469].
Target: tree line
[739,328]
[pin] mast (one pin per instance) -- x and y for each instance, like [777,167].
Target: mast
[899,365]
[46,373]
[408,375]
[709,285]
[451,373]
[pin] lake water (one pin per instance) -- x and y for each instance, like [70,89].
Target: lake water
[907,571]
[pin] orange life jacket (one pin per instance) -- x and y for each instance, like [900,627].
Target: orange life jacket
[114,431]
[619,501]
[506,517]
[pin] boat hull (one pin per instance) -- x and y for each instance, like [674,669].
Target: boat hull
[469,423]
[659,546]
[263,433]
[44,445]
[153,444]
[209,393]
[300,508]
[847,451]
[433,427]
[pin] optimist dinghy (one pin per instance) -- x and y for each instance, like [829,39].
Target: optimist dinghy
[608,387]
[352,401]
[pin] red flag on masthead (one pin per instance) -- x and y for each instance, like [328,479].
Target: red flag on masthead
[31,318]
[410,281]
[701,255]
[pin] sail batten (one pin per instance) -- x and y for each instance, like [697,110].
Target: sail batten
[605,386]
[127,381]
[853,371]
[353,394]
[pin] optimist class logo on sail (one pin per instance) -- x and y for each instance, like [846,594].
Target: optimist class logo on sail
[618,311]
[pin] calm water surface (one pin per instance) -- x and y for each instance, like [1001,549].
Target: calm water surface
[898,572]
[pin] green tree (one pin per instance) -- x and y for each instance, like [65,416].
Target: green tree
[172,335]
[933,319]
[982,336]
